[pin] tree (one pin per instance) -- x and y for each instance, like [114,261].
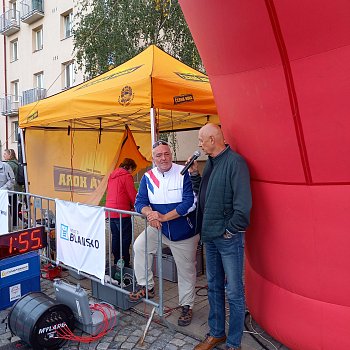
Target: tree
[109,32]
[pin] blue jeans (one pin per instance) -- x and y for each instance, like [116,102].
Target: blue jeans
[224,261]
[126,239]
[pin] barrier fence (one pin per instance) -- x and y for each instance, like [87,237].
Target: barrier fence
[27,210]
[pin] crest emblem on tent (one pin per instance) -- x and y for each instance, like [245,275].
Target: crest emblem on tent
[126,96]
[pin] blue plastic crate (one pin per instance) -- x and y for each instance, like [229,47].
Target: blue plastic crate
[19,275]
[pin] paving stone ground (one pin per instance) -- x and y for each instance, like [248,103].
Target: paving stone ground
[126,334]
[130,328]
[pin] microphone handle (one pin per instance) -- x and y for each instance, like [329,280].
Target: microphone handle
[188,165]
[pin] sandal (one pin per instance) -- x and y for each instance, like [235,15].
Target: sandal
[140,293]
[186,316]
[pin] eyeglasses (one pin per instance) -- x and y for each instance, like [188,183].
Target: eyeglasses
[160,142]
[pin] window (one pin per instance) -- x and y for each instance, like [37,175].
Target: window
[67,24]
[38,39]
[68,74]
[15,90]
[37,5]
[14,101]
[13,7]
[39,80]
[14,50]
[14,131]
[39,84]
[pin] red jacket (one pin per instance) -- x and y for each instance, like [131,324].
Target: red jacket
[121,192]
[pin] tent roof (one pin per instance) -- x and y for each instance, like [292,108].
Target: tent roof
[182,98]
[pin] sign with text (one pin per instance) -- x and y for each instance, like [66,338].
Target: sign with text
[80,234]
[68,180]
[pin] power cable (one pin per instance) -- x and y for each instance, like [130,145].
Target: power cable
[255,333]
[199,288]
[107,311]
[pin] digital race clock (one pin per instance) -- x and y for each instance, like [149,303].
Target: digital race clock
[24,241]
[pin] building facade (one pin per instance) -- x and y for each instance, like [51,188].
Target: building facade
[36,57]
[37,61]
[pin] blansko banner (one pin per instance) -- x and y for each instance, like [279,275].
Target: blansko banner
[81,237]
[4,209]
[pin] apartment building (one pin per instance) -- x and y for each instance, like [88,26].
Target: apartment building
[36,57]
[37,61]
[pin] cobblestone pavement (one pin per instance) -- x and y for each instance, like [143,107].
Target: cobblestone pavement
[125,335]
[130,328]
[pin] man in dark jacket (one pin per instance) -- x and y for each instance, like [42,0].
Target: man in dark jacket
[223,210]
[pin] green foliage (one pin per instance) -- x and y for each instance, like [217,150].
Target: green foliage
[103,200]
[171,138]
[109,32]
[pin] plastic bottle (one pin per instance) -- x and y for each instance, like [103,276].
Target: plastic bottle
[118,272]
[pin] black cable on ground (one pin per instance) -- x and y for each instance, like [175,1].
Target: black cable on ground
[199,288]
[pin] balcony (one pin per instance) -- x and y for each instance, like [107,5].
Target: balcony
[9,105]
[32,10]
[33,95]
[9,22]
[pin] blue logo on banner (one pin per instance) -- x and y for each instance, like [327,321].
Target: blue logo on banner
[64,232]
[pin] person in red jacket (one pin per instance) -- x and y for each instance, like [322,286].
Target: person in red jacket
[121,194]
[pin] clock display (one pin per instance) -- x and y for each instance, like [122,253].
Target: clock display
[19,242]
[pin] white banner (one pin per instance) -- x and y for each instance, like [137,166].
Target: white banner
[4,212]
[80,234]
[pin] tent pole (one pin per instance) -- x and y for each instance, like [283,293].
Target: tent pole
[26,198]
[24,159]
[153,126]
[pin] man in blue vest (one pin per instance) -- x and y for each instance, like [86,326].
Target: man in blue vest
[166,198]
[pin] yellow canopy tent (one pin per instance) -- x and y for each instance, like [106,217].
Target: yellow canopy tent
[79,130]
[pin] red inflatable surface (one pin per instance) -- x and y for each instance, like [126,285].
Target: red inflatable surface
[280,72]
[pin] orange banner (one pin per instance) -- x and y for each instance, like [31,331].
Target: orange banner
[76,166]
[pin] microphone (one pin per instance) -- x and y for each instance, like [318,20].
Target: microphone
[195,155]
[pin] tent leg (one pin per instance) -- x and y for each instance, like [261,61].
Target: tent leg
[153,126]
[24,159]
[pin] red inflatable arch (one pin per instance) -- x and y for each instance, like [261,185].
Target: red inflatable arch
[280,72]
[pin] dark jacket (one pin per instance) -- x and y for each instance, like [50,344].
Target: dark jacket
[228,198]
[121,192]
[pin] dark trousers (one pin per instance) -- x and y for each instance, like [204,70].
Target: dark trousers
[124,252]
[14,209]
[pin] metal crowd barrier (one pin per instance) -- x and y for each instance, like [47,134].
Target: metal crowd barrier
[28,210]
